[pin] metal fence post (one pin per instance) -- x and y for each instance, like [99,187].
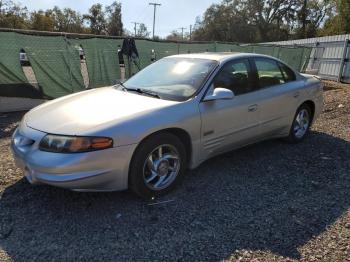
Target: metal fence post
[301,62]
[342,62]
[279,52]
[315,58]
[70,62]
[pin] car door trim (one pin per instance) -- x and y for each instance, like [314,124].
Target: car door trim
[234,132]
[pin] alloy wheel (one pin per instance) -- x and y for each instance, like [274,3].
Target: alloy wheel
[301,123]
[161,167]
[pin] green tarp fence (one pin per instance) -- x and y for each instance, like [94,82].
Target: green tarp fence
[57,66]
[10,68]
[185,48]
[55,63]
[12,78]
[102,60]
[162,49]
[145,48]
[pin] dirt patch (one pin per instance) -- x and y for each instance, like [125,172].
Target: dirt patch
[331,85]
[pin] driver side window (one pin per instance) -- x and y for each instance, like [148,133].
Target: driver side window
[235,77]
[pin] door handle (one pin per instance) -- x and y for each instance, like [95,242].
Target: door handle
[252,108]
[296,95]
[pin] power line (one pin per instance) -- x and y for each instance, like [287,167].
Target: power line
[154,15]
[182,28]
[135,26]
[190,32]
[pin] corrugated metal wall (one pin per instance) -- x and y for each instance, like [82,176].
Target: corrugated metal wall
[311,41]
[329,58]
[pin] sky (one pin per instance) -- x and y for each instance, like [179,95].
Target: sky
[171,15]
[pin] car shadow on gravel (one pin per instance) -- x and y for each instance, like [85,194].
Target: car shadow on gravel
[272,196]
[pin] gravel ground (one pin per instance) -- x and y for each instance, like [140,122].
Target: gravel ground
[268,202]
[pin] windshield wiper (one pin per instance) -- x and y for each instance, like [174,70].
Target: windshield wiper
[148,92]
[139,90]
[124,88]
[144,91]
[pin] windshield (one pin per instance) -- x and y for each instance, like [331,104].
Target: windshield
[173,78]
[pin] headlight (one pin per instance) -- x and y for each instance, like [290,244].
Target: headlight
[74,144]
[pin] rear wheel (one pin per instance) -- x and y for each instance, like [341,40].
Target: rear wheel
[157,165]
[301,124]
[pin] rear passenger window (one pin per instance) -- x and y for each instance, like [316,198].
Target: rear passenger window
[234,76]
[287,73]
[269,72]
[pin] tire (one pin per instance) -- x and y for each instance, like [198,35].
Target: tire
[300,126]
[151,175]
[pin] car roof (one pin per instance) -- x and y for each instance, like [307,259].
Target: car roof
[221,56]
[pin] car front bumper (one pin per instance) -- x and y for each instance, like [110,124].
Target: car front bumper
[104,170]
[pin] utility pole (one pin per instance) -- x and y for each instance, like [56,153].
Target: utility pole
[135,26]
[154,15]
[182,28]
[190,32]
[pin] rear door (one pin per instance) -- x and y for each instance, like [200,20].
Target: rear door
[279,95]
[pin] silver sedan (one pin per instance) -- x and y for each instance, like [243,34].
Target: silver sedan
[176,113]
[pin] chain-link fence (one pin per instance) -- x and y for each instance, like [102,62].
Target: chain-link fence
[57,64]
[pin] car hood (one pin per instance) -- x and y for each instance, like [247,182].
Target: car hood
[78,113]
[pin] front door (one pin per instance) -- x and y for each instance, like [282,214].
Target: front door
[230,123]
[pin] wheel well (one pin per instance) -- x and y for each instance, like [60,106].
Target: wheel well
[181,134]
[310,104]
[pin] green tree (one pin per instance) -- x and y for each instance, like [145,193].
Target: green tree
[142,31]
[339,23]
[262,20]
[272,18]
[13,15]
[96,19]
[156,38]
[74,21]
[174,36]
[114,24]
[343,7]
[66,20]
[42,21]
[311,15]
[224,22]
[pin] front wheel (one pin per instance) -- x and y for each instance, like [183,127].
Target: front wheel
[158,165]
[301,124]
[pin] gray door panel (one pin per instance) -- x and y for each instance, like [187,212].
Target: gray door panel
[229,123]
[278,105]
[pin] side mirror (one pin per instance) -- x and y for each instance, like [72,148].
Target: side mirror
[220,94]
